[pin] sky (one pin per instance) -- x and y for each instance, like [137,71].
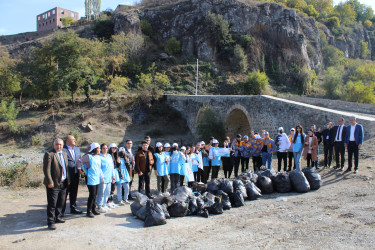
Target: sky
[17,16]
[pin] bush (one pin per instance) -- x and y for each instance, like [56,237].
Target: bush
[21,175]
[104,29]
[255,83]
[209,125]
[67,21]
[239,59]
[146,28]
[367,24]
[311,11]
[219,30]
[173,46]
[333,22]
[245,41]
[359,92]
[332,56]
[8,113]
[364,50]
[37,140]
[333,81]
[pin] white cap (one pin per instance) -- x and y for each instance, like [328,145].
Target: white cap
[203,143]
[113,145]
[174,145]
[257,137]
[121,149]
[281,128]
[167,145]
[93,146]
[183,148]
[245,136]
[292,129]
[214,141]
[158,144]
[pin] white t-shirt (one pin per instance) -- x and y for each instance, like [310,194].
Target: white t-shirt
[310,139]
[352,129]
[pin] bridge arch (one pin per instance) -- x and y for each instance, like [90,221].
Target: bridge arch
[237,121]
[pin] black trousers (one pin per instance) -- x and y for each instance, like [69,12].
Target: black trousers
[227,166]
[237,161]
[244,163]
[257,162]
[340,154]
[113,188]
[309,161]
[328,155]
[72,190]
[206,173]
[144,182]
[182,178]
[55,201]
[93,191]
[353,149]
[215,172]
[199,175]
[282,156]
[290,160]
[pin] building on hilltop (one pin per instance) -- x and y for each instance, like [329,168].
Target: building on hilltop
[51,20]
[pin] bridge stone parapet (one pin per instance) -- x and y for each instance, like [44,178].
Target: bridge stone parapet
[240,114]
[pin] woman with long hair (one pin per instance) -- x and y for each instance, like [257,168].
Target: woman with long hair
[123,182]
[298,140]
[310,148]
[109,177]
[116,164]
[228,160]
[182,162]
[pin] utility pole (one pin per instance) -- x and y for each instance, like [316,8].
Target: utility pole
[196,82]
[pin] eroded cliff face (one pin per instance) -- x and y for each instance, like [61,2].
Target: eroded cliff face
[281,36]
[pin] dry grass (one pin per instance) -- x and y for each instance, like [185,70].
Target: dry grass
[21,175]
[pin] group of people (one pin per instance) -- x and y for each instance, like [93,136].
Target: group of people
[108,168]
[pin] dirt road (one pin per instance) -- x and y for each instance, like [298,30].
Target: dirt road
[341,215]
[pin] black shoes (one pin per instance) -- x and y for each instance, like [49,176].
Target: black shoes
[90,214]
[95,212]
[348,170]
[75,211]
[130,197]
[51,227]
[60,221]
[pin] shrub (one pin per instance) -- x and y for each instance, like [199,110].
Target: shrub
[311,11]
[8,113]
[37,140]
[333,22]
[104,29]
[332,56]
[364,50]
[245,41]
[367,24]
[359,92]
[239,59]
[173,46]
[67,21]
[146,28]
[21,175]
[255,83]
[333,81]
[219,30]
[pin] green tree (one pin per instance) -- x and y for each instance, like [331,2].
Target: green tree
[146,28]
[333,81]
[333,22]
[9,78]
[173,46]
[367,24]
[332,56]
[324,7]
[365,72]
[296,4]
[311,11]
[364,50]
[9,113]
[209,124]
[219,30]
[363,12]
[359,92]
[67,21]
[116,84]
[345,13]
[239,59]
[255,83]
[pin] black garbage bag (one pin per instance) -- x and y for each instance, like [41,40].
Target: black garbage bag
[213,186]
[178,209]
[227,186]
[199,187]
[165,210]
[182,194]
[282,183]
[168,200]
[253,192]
[141,198]
[265,184]
[224,199]
[313,177]
[238,185]
[236,199]
[154,214]
[270,173]
[203,213]
[193,206]
[217,207]
[141,213]
[299,181]
[209,199]
[134,207]
[202,210]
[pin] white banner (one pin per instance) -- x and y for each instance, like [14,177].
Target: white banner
[222,152]
[189,172]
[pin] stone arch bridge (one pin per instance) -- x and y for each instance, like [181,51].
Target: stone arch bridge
[240,114]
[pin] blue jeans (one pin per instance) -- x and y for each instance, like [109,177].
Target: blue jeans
[267,157]
[119,190]
[297,160]
[103,194]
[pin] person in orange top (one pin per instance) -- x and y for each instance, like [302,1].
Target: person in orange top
[245,153]
[269,147]
[256,147]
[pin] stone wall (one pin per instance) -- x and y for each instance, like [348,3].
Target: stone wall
[263,112]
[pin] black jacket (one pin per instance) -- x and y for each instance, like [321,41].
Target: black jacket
[335,128]
[331,136]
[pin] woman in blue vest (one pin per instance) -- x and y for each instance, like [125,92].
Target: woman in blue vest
[215,159]
[123,179]
[109,178]
[174,167]
[199,167]
[182,162]
[161,170]
[206,163]
[299,138]
[92,167]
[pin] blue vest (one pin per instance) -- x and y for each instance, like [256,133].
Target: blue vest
[107,167]
[94,173]
[217,160]
[124,172]
[182,166]
[161,166]
[175,163]
[168,165]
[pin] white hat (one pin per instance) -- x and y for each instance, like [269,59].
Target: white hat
[292,129]
[121,149]
[203,143]
[113,145]
[93,146]
[158,144]
[214,141]
[245,136]
[174,145]
[167,145]
[257,137]
[281,128]
[183,148]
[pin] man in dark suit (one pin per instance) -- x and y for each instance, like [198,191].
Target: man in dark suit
[74,154]
[339,145]
[56,181]
[353,142]
[328,139]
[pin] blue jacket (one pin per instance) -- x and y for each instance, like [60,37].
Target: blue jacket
[72,163]
[358,134]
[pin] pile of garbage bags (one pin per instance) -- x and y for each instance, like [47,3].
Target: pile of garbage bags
[221,194]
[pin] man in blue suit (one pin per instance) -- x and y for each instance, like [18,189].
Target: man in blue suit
[353,142]
[74,154]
